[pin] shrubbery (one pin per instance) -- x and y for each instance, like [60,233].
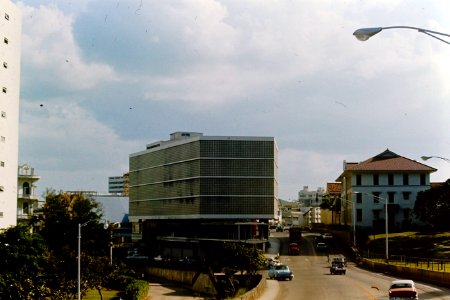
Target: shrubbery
[137,290]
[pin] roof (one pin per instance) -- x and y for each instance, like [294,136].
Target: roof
[334,187]
[387,161]
[115,208]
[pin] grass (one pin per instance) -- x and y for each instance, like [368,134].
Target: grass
[414,244]
[424,250]
[107,295]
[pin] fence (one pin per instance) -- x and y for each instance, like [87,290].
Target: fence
[430,264]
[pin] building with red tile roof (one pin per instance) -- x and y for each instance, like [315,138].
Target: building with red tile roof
[385,179]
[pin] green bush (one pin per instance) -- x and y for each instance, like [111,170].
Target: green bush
[137,290]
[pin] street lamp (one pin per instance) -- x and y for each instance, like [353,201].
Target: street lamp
[386,220]
[79,255]
[363,34]
[428,157]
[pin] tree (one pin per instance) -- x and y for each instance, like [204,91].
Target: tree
[243,257]
[433,206]
[61,215]
[23,256]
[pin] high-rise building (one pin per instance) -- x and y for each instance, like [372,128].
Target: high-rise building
[193,180]
[10,42]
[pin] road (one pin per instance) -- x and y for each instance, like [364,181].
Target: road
[313,280]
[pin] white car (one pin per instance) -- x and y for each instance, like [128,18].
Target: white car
[403,289]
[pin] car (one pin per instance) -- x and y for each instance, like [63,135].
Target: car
[327,236]
[337,268]
[281,271]
[321,246]
[272,261]
[340,259]
[403,289]
[294,249]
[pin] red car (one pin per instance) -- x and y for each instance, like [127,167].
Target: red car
[294,249]
[403,289]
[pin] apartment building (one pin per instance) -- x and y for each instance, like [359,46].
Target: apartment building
[310,198]
[27,200]
[197,186]
[385,179]
[10,46]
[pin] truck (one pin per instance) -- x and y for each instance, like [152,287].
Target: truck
[295,239]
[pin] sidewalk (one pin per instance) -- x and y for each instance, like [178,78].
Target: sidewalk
[271,290]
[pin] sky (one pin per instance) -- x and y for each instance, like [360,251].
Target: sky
[101,79]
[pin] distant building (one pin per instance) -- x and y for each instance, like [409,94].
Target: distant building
[204,187]
[385,179]
[309,198]
[27,200]
[118,185]
[10,46]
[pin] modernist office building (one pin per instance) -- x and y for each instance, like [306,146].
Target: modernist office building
[192,183]
[10,41]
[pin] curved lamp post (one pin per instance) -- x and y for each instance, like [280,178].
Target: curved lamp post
[386,220]
[428,157]
[363,34]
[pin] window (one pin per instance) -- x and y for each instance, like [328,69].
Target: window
[2,163]
[3,114]
[2,139]
[5,65]
[376,179]
[376,214]
[359,198]
[406,213]
[26,188]
[359,215]
[4,89]
[376,197]
[358,179]
[6,16]
[26,208]
[390,179]
[5,40]
[1,214]
[405,179]
[391,197]
[423,179]
[406,195]
[2,189]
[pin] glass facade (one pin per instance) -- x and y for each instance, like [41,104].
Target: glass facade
[205,177]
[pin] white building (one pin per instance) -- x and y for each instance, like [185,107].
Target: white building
[27,200]
[385,179]
[308,198]
[10,42]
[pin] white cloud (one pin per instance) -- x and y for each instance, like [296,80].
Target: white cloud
[50,50]
[69,148]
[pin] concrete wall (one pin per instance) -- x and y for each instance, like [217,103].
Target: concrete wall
[438,278]
[200,282]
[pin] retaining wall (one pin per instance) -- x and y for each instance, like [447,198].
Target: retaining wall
[434,277]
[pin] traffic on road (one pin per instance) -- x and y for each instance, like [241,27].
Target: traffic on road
[313,279]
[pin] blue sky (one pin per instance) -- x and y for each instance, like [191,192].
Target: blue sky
[101,79]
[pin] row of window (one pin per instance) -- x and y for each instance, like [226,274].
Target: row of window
[377,214]
[376,197]
[390,179]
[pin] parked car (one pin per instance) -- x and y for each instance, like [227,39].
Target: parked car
[403,289]
[321,246]
[280,272]
[272,261]
[294,249]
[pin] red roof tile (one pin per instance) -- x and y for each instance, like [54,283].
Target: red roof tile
[389,161]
